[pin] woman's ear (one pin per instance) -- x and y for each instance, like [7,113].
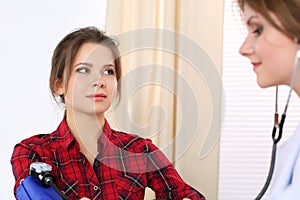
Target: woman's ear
[59,87]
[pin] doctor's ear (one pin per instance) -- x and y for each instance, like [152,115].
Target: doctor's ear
[297,40]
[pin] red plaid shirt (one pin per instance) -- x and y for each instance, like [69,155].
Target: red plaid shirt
[125,165]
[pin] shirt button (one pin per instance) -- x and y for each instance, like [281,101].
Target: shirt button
[96,187]
[96,164]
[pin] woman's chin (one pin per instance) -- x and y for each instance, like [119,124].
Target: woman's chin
[264,84]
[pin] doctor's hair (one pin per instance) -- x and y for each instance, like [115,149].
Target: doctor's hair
[66,50]
[287,11]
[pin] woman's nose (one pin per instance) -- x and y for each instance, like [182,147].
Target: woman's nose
[246,48]
[99,83]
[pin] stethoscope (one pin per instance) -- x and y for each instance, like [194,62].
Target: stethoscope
[278,126]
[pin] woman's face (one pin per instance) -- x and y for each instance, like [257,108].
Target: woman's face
[92,83]
[271,52]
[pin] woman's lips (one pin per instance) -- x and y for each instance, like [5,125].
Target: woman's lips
[255,65]
[97,97]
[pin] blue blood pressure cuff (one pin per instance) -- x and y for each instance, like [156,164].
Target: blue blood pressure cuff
[31,189]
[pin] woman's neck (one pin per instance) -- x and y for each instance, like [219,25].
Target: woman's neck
[86,129]
[297,89]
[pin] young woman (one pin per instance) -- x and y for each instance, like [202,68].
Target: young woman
[88,158]
[272,46]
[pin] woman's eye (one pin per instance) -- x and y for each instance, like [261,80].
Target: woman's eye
[82,70]
[258,31]
[109,71]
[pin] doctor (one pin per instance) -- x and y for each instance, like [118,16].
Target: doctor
[271,46]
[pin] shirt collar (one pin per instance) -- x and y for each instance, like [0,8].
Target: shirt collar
[65,134]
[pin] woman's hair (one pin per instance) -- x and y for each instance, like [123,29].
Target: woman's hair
[67,48]
[287,11]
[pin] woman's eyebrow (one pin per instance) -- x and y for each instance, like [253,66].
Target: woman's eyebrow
[84,63]
[109,65]
[91,65]
[249,21]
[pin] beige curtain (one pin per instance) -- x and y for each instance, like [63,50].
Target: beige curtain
[171,85]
